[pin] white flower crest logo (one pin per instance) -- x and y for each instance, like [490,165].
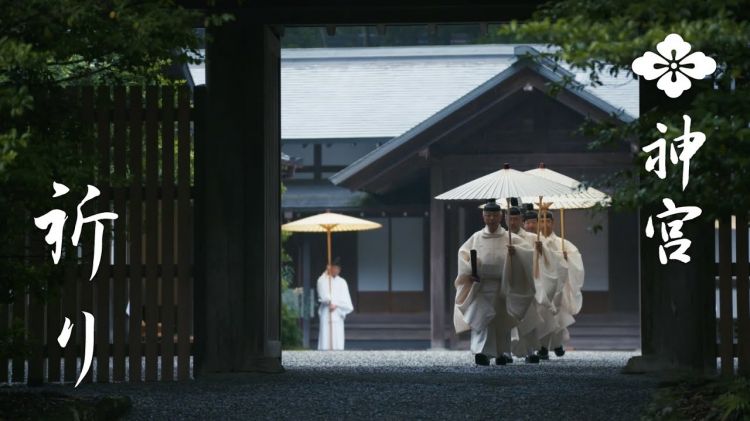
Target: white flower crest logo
[673,65]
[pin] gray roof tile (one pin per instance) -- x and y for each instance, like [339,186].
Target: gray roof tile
[384,91]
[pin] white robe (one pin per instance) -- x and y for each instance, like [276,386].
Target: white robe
[538,321]
[332,322]
[565,294]
[490,307]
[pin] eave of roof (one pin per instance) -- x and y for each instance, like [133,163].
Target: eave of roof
[544,67]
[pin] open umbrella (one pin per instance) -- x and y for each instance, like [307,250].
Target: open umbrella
[579,199]
[504,184]
[329,222]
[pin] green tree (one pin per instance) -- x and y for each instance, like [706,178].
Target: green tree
[605,36]
[47,46]
[291,334]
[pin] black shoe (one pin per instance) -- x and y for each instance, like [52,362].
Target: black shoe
[543,354]
[532,359]
[559,351]
[481,359]
[504,359]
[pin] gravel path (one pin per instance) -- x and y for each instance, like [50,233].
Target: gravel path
[399,385]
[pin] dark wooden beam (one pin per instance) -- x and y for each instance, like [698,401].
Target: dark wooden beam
[238,201]
[317,161]
[678,300]
[437,261]
[350,12]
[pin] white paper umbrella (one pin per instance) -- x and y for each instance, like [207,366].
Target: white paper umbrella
[504,184]
[579,199]
[330,222]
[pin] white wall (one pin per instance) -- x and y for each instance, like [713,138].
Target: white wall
[372,258]
[594,247]
[408,254]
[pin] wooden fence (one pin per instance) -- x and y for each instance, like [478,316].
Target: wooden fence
[734,297]
[143,136]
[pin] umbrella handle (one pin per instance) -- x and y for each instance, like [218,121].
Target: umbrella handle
[330,292]
[562,229]
[538,238]
[510,238]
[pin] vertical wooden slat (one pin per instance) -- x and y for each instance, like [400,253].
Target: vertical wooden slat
[70,310]
[53,330]
[184,250]
[19,317]
[152,234]
[743,295]
[197,241]
[119,290]
[725,296]
[102,279]
[437,260]
[87,243]
[85,304]
[36,319]
[167,225]
[70,296]
[3,327]
[135,234]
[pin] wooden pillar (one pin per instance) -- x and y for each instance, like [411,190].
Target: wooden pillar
[309,289]
[437,259]
[677,300]
[623,263]
[237,296]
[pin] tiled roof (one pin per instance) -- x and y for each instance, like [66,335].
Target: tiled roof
[385,91]
[318,197]
[544,67]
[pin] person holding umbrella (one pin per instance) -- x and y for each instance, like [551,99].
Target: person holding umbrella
[565,293]
[335,304]
[328,223]
[516,222]
[485,279]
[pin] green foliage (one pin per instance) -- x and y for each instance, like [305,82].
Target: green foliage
[291,334]
[701,399]
[46,47]
[13,344]
[606,36]
[734,404]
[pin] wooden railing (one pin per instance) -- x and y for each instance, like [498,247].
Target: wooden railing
[734,333]
[143,136]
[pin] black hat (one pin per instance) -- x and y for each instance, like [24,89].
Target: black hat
[548,215]
[336,261]
[529,214]
[491,206]
[514,211]
[514,201]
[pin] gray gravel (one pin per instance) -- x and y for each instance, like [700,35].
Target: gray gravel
[399,385]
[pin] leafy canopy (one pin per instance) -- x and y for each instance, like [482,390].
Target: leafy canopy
[606,36]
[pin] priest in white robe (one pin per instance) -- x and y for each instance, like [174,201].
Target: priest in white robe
[538,322]
[491,301]
[335,304]
[565,293]
[516,220]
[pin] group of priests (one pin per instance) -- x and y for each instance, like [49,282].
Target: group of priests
[517,289]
